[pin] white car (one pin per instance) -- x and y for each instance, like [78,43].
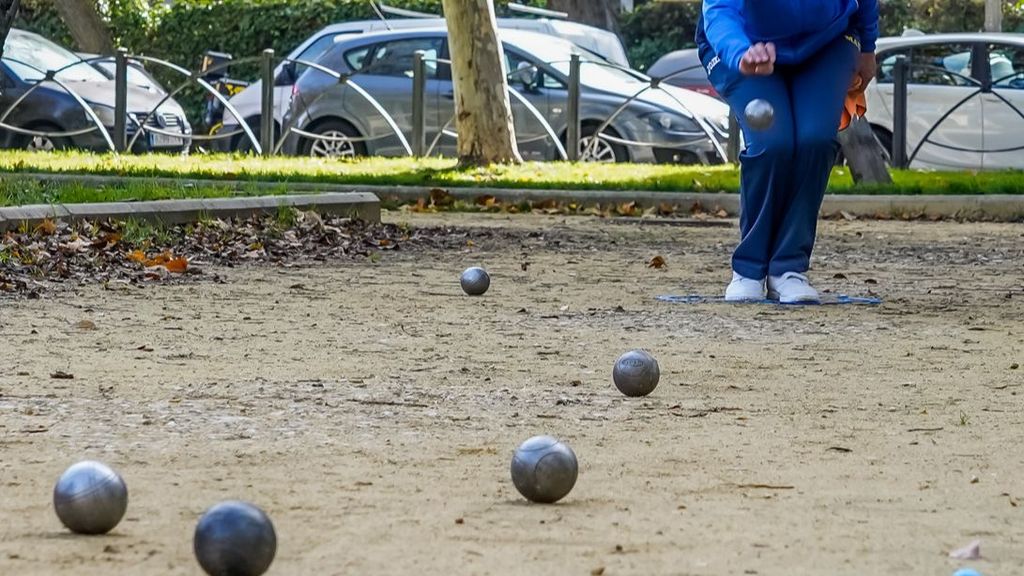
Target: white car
[248,102]
[979,76]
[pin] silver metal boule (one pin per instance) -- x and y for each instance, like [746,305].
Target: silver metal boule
[636,373]
[90,498]
[760,114]
[235,538]
[475,281]
[544,469]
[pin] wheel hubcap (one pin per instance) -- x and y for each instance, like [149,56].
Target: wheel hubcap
[40,144]
[595,151]
[339,146]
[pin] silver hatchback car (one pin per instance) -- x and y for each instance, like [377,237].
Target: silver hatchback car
[666,124]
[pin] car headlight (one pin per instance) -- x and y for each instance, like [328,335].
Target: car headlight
[103,112]
[669,122]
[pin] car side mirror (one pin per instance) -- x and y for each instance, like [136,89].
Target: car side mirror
[526,74]
[287,75]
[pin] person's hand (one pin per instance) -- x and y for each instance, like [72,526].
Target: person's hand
[759,60]
[866,69]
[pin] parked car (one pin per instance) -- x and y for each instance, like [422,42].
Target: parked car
[669,119]
[137,73]
[26,60]
[983,73]
[683,69]
[248,102]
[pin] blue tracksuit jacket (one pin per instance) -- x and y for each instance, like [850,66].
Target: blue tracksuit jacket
[798,28]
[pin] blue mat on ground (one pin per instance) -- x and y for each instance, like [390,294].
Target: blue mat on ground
[826,300]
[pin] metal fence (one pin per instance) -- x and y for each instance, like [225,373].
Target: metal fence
[127,130]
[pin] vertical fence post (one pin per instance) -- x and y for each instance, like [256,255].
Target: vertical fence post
[267,103]
[121,100]
[732,145]
[899,112]
[419,104]
[572,138]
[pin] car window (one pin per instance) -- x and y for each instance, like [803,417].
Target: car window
[941,64]
[356,58]
[1007,66]
[395,58]
[27,54]
[314,51]
[515,62]
[948,64]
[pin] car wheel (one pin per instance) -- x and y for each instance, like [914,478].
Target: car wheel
[244,144]
[339,141]
[594,149]
[43,143]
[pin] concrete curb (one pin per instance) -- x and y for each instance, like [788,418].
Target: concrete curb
[359,205]
[969,207]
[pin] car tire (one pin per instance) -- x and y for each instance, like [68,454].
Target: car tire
[342,147]
[243,144]
[605,151]
[43,143]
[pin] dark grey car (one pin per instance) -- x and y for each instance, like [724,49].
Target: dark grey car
[51,109]
[672,124]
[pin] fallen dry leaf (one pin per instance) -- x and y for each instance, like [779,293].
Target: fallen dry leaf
[658,262]
[85,325]
[61,375]
[176,265]
[46,228]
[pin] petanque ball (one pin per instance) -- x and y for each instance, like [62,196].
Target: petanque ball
[235,538]
[90,498]
[760,114]
[544,469]
[636,373]
[475,281]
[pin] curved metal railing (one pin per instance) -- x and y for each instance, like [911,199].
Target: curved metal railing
[51,77]
[981,88]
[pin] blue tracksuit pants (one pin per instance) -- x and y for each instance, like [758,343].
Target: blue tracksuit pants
[784,170]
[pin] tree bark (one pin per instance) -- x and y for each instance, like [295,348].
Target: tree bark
[8,12]
[863,154]
[483,115]
[600,13]
[87,27]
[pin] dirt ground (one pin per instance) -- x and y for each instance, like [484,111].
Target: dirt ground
[371,409]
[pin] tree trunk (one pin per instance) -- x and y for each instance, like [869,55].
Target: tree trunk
[8,12]
[863,154]
[483,115]
[600,13]
[87,27]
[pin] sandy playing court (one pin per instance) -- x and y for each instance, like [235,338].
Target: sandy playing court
[371,409]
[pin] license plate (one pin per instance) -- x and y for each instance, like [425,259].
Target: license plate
[164,141]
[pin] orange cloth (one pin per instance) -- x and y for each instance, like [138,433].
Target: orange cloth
[856,104]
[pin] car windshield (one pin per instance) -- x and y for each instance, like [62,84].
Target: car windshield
[26,55]
[595,71]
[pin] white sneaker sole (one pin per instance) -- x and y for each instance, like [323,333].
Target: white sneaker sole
[801,300]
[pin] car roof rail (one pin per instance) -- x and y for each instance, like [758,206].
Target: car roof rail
[515,7]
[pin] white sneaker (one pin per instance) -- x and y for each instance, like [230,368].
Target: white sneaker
[743,289]
[792,288]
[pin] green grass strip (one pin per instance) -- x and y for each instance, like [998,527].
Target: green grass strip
[423,172]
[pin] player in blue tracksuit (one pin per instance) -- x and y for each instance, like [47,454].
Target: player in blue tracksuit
[801,56]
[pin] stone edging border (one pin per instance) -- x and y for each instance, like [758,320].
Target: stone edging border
[360,205]
[999,207]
